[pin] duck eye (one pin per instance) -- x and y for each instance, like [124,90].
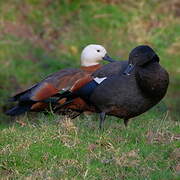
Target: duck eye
[98,50]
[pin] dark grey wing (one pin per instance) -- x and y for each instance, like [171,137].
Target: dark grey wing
[110,69]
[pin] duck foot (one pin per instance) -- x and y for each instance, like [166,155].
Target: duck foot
[102,119]
[126,122]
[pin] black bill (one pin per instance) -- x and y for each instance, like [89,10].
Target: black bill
[128,69]
[107,58]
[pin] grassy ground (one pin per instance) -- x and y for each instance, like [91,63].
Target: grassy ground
[38,37]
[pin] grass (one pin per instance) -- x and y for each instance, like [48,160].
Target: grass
[62,148]
[39,37]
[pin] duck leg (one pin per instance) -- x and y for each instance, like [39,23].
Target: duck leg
[102,119]
[126,122]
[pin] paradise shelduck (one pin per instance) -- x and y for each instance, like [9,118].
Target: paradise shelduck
[35,98]
[126,92]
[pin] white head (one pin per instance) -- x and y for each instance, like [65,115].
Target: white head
[92,55]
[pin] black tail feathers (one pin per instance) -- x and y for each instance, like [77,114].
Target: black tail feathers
[12,99]
[18,110]
[25,106]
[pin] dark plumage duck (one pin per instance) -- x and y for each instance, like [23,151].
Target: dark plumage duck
[127,92]
[74,102]
[36,97]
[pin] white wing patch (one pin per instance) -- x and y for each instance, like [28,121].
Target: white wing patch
[65,89]
[99,80]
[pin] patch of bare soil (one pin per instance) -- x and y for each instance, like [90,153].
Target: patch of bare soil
[172,6]
[26,32]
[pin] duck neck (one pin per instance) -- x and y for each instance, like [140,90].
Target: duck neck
[91,68]
[152,80]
